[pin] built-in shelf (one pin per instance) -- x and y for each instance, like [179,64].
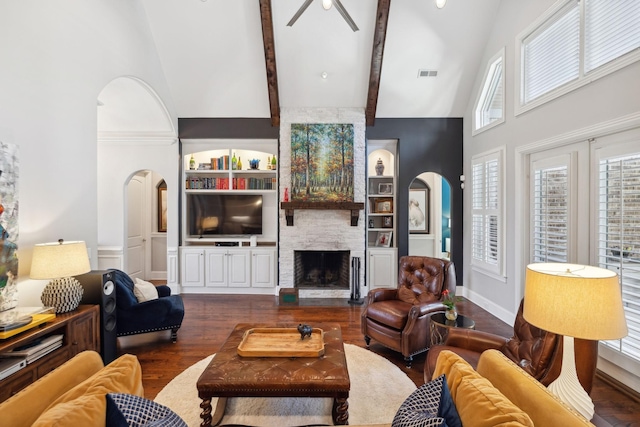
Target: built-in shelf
[354,207]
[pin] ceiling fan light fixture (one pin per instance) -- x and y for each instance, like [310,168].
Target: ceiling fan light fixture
[326,4]
[440,3]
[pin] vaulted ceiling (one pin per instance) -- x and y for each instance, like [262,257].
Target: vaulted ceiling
[221,59]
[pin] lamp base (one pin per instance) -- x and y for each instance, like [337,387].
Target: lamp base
[567,386]
[63,294]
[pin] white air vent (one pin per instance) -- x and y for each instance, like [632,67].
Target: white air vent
[427,73]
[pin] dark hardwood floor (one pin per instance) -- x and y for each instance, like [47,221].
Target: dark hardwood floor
[210,318]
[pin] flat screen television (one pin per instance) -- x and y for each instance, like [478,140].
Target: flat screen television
[224,215]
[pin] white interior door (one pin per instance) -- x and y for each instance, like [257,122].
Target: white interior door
[136,238]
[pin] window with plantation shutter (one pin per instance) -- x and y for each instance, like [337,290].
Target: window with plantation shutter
[489,109]
[611,30]
[486,181]
[551,54]
[618,238]
[550,214]
[574,43]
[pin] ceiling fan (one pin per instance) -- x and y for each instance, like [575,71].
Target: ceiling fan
[326,4]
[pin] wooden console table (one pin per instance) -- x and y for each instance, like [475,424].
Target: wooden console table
[290,207]
[81,332]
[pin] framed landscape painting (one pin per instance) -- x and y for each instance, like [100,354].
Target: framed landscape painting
[322,162]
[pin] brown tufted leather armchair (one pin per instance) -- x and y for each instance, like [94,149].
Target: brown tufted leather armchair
[535,350]
[399,318]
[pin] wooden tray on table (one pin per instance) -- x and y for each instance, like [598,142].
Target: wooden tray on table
[281,342]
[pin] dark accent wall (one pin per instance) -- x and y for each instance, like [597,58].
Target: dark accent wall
[195,128]
[426,145]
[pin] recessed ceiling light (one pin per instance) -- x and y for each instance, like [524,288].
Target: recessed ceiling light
[324,75]
[440,3]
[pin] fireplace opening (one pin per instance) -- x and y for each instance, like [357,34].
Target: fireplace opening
[321,269]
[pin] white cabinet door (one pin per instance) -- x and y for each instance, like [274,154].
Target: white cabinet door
[215,270]
[192,267]
[382,268]
[263,268]
[238,268]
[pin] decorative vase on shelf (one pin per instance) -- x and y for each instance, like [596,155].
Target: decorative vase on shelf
[451,314]
[379,167]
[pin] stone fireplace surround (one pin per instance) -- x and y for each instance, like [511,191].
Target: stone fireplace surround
[321,230]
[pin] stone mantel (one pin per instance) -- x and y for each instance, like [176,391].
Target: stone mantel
[354,207]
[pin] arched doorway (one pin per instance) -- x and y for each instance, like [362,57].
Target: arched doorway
[137,144]
[430,216]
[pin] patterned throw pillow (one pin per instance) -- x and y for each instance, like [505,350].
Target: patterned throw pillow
[430,405]
[127,410]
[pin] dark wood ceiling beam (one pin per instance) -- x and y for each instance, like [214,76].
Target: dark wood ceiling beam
[382,17]
[270,60]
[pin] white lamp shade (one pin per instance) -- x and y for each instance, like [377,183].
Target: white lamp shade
[574,300]
[56,260]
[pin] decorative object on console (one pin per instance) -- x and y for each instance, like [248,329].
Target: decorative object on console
[59,262]
[575,301]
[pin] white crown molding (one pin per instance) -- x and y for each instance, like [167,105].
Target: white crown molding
[137,138]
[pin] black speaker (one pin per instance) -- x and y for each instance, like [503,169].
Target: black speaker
[99,289]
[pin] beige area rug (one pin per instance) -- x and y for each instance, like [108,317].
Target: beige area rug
[378,388]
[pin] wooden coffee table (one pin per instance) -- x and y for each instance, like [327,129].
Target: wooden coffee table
[230,375]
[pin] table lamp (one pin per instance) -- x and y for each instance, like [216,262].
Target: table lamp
[575,301]
[59,261]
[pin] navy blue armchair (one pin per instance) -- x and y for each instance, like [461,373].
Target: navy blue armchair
[135,317]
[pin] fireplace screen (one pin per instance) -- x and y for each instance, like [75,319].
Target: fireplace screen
[321,269]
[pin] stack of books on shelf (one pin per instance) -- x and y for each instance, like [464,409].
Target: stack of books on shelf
[35,349]
[193,183]
[254,183]
[220,163]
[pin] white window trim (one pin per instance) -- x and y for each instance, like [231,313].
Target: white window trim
[522,153]
[500,56]
[498,271]
[614,145]
[582,80]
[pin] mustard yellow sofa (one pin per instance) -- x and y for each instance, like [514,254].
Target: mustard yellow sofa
[500,393]
[74,393]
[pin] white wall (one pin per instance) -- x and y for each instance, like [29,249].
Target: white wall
[57,56]
[611,102]
[608,98]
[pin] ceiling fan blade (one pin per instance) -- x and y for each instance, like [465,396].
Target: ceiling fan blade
[345,15]
[299,12]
